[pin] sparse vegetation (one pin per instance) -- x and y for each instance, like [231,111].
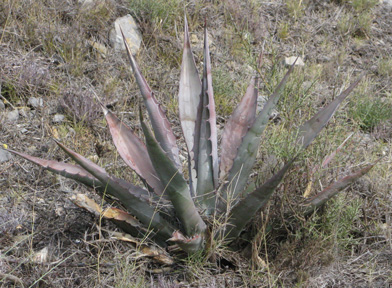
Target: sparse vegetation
[281,247]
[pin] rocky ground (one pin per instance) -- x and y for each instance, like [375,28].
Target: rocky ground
[56,56]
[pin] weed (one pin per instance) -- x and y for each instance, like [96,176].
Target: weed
[385,66]
[283,30]
[295,8]
[369,112]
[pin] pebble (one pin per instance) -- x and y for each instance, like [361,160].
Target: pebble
[35,102]
[58,118]
[4,155]
[13,116]
[288,61]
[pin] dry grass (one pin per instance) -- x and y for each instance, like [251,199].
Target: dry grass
[45,52]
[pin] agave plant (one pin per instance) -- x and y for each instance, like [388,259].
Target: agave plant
[171,208]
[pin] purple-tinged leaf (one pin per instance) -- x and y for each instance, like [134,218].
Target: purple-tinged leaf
[133,151]
[247,152]
[337,186]
[175,186]
[79,174]
[189,97]
[67,170]
[311,128]
[146,214]
[159,122]
[237,126]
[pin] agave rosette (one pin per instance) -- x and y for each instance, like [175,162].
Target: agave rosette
[216,185]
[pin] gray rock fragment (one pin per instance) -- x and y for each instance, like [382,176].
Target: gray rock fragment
[35,102]
[13,116]
[58,118]
[131,32]
[4,155]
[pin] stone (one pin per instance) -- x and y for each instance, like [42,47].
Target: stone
[131,32]
[288,61]
[2,106]
[58,118]
[35,102]
[13,116]
[4,155]
[387,3]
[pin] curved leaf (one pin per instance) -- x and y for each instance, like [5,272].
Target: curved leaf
[132,150]
[139,208]
[79,174]
[237,126]
[159,122]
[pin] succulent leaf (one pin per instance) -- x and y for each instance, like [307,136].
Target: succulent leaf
[206,149]
[159,121]
[247,151]
[245,210]
[237,126]
[67,170]
[337,186]
[175,186]
[248,206]
[189,101]
[311,128]
[139,208]
[79,174]
[133,151]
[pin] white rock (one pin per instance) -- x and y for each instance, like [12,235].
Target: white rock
[131,32]
[58,118]
[288,61]
[4,155]
[2,106]
[35,102]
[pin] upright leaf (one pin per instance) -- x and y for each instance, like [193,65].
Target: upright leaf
[175,186]
[213,136]
[206,149]
[132,150]
[146,214]
[247,152]
[237,126]
[159,122]
[189,101]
